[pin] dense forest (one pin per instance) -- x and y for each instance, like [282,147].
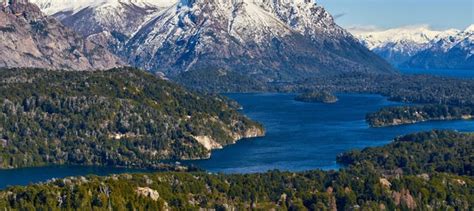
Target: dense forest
[219,81]
[425,152]
[425,89]
[317,97]
[390,116]
[365,184]
[120,117]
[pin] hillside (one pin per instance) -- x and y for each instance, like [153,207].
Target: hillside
[119,117]
[424,152]
[366,186]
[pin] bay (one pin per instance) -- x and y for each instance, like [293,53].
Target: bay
[303,136]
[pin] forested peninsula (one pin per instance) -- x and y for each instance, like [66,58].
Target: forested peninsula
[120,117]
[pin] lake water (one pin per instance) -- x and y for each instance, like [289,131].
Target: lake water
[464,74]
[25,176]
[300,136]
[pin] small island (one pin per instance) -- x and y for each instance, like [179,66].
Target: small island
[317,97]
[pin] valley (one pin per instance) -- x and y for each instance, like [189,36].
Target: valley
[230,105]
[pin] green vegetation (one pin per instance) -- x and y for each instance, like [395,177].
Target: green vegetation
[120,117]
[426,152]
[424,89]
[363,185]
[219,80]
[390,116]
[317,97]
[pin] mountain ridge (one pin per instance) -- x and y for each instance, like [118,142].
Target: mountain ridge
[448,52]
[421,46]
[270,40]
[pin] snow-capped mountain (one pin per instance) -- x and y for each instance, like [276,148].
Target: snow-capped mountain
[106,22]
[30,39]
[455,51]
[269,39]
[422,47]
[398,45]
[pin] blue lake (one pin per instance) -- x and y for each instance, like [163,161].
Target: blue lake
[463,74]
[25,176]
[300,136]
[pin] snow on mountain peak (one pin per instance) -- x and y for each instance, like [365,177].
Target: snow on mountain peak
[51,7]
[470,29]
[399,45]
[410,34]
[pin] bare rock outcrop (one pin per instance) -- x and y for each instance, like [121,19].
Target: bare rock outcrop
[148,192]
[28,38]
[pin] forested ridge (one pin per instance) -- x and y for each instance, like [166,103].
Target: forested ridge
[421,89]
[424,152]
[390,116]
[365,185]
[120,117]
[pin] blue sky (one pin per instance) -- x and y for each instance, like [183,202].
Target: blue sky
[439,14]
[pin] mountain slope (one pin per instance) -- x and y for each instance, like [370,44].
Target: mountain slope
[106,22]
[266,39]
[30,39]
[450,52]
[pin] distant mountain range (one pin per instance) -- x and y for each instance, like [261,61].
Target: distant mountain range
[422,47]
[268,40]
[28,38]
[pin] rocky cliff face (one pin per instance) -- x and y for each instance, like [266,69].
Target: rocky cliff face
[106,22]
[30,39]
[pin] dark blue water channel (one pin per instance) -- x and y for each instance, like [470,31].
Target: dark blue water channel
[463,74]
[302,136]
